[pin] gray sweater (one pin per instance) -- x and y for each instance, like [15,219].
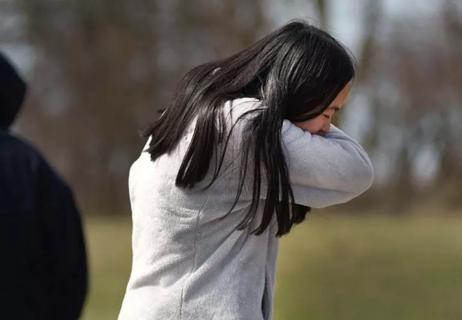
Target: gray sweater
[187,263]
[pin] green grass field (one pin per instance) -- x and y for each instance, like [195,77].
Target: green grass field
[331,267]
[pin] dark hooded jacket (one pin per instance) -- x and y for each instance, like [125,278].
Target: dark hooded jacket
[43,267]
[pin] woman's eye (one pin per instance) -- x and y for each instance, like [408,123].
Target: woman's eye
[326,116]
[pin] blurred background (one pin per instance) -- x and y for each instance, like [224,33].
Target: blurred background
[99,69]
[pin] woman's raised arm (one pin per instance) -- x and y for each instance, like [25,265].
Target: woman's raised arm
[325,169]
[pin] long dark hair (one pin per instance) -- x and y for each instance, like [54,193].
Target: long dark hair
[296,72]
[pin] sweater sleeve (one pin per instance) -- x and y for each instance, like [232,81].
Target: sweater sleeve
[325,169]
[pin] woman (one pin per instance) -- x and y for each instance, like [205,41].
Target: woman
[243,152]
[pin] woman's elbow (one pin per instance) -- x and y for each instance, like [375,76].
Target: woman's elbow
[364,178]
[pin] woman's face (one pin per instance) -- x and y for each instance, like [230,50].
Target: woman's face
[321,124]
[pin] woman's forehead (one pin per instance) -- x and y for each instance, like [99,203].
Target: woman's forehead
[341,98]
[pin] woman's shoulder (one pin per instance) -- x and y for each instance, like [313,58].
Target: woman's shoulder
[244,107]
[242,102]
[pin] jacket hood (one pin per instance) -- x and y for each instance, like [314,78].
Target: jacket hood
[12,92]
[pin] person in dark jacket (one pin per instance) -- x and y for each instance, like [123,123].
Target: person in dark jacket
[43,266]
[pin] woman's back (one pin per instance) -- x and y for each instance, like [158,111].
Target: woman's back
[187,262]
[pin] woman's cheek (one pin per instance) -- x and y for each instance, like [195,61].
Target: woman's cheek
[313,125]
